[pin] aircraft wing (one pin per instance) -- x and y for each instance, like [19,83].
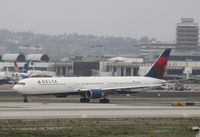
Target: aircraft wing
[132,87]
[124,87]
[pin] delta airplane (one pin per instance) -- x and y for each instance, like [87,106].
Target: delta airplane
[93,87]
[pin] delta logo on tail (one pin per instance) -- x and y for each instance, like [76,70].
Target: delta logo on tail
[159,67]
[25,68]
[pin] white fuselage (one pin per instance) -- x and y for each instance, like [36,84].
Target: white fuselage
[55,85]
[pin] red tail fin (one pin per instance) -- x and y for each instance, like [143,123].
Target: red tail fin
[159,67]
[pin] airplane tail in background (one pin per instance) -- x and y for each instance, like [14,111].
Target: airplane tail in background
[159,67]
[25,68]
[16,67]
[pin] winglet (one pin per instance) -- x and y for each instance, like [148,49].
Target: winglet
[159,67]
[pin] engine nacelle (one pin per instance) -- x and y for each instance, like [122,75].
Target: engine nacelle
[94,94]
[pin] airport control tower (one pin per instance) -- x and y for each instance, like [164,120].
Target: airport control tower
[187,35]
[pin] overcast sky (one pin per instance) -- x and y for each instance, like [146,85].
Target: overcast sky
[126,18]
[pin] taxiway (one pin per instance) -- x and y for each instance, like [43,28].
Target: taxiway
[79,110]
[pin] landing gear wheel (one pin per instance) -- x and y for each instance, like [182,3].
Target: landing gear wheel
[25,99]
[84,100]
[104,100]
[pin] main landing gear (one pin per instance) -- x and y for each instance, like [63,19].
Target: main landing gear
[87,100]
[104,100]
[84,100]
[25,99]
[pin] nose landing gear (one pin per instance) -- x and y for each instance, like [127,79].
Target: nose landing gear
[25,99]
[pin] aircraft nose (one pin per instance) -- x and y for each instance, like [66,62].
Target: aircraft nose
[15,87]
[18,89]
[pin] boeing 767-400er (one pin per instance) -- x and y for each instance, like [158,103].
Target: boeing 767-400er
[93,87]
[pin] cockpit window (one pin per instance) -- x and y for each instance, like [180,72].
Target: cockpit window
[21,83]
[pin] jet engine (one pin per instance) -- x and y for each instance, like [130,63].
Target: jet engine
[94,94]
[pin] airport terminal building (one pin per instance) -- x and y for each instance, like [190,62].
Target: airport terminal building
[178,64]
[37,62]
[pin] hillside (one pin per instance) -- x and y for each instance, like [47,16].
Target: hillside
[66,45]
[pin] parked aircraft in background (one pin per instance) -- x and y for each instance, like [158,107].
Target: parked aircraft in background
[5,78]
[25,72]
[93,87]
